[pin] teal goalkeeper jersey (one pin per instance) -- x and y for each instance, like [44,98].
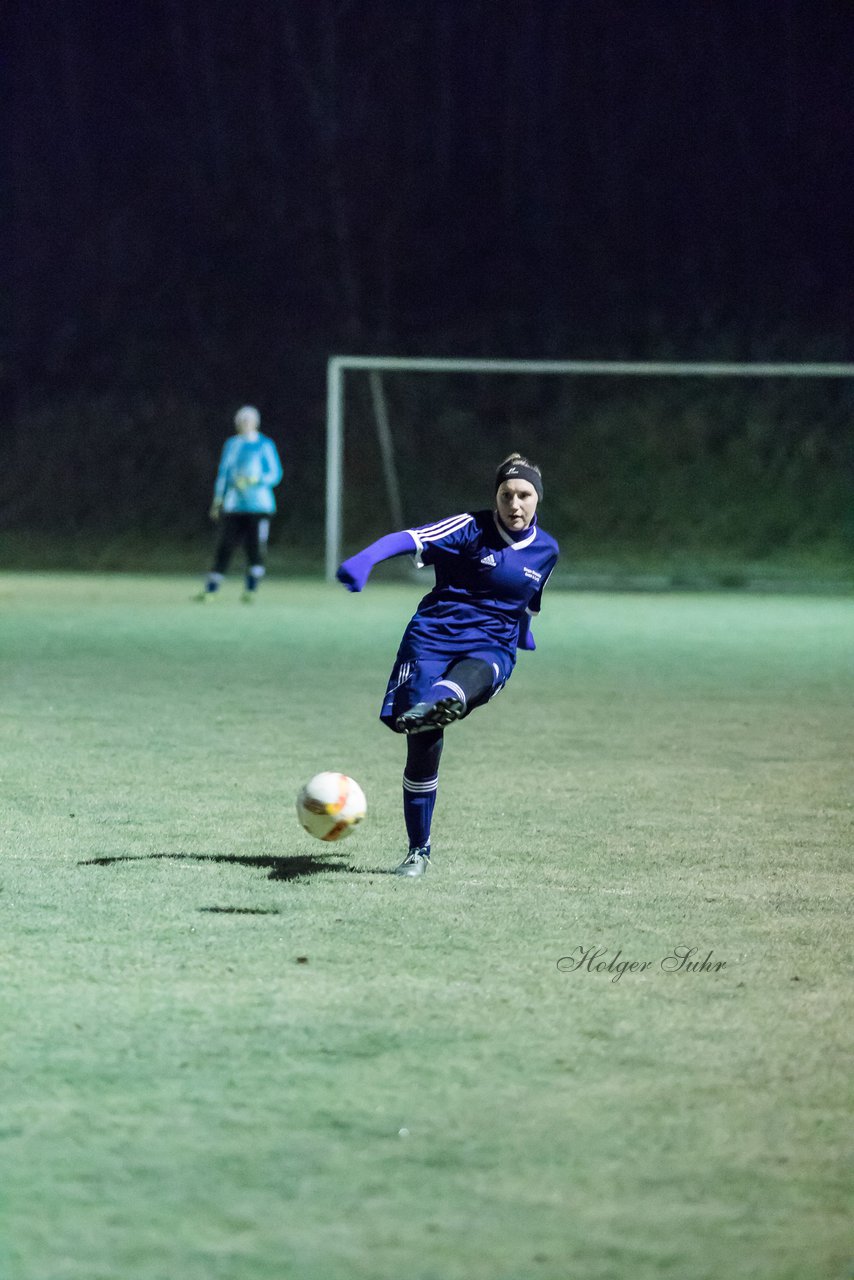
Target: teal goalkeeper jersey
[248,472]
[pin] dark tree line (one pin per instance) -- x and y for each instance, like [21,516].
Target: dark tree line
[205,198]
[378,171]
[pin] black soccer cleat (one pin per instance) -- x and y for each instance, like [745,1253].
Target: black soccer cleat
[430,715]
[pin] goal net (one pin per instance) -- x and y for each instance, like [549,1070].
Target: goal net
[657,460]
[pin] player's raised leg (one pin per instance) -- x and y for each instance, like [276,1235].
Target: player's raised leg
[465,685]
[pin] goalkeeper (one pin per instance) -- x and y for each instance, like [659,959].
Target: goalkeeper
[243,501]
[459,649]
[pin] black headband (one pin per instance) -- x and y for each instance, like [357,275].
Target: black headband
[518,471]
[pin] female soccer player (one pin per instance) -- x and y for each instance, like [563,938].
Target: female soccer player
[459,649]
[243,501]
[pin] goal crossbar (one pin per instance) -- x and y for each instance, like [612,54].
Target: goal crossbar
[337,366]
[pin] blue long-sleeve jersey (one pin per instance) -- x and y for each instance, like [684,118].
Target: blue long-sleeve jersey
[248,472]
[487,581]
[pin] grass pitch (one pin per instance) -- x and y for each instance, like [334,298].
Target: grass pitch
[231,1053]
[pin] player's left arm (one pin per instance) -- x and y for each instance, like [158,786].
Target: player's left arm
[525,638]
[271,465]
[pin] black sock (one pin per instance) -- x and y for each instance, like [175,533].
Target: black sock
[472,676]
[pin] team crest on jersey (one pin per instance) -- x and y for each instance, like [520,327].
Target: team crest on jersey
[490,560]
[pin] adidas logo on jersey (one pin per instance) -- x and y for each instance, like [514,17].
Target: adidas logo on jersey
[490,560]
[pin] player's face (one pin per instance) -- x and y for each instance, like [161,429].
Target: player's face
[516,501]
[246,425]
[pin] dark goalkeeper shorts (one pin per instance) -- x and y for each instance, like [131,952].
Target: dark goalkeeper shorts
[246,529]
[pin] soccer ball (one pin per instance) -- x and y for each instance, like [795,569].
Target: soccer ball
[330,805]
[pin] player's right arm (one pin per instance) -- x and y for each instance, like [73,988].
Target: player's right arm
[420,541]
[354,573]
[223,477]
[450,534]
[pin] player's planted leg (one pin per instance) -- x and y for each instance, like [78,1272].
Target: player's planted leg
[420,784]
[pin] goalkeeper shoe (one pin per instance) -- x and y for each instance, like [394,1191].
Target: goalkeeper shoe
[415,863]
[430,715]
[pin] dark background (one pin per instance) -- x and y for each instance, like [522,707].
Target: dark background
[205,200]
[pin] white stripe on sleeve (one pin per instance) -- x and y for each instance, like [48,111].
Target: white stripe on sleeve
[440,529]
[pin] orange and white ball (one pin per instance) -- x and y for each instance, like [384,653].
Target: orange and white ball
[330,805]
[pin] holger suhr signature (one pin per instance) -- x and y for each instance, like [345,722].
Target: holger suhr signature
[681,959]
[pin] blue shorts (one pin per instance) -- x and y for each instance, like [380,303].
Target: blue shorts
[411,679]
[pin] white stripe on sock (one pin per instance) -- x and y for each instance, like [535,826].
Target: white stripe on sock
[423,787]
[454,688]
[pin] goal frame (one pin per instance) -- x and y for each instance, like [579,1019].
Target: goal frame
[338,365]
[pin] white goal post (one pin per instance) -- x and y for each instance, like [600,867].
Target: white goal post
[337,367]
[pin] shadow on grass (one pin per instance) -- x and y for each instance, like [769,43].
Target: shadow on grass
[295,868]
